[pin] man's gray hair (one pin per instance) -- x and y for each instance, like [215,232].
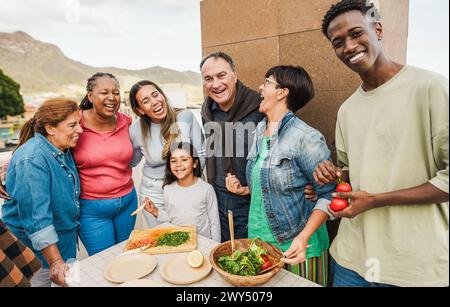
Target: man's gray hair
[216,55]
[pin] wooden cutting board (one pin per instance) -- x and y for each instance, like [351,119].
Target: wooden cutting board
[155,233]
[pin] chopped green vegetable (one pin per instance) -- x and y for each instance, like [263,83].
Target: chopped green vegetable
[244,264]
[173,239]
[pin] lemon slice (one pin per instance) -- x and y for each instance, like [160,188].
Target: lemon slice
[195,259]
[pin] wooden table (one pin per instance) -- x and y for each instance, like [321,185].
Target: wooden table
[91,270]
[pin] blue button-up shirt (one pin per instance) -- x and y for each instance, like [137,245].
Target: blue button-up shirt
[44,186]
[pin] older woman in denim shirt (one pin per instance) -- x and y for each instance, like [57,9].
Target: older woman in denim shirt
[280,166]
[44,188]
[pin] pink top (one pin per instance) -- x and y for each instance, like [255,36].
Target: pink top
[103,161]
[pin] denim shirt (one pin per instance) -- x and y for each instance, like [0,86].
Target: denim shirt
[294,153]
[44,186]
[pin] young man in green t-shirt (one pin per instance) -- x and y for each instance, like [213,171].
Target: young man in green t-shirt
[392,146]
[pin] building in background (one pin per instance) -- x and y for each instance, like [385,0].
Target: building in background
[10,128]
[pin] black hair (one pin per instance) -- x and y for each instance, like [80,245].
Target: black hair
[297,80]
[86,104]
[216,55]
[170,178]
[364,6]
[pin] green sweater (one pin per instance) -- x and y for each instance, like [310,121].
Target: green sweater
[392,138]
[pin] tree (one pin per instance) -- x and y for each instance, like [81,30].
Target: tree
[11,102]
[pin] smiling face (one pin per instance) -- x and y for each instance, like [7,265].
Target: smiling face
[67,133]
[105,97]
[270,94]
[356,41]
[182,165]
[152,103]
[219,81]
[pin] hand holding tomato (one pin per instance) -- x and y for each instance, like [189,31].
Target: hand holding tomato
[358,202]
[326,172]
[339,204]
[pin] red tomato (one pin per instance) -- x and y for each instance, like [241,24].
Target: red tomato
[266,265]
[338,204]
[344,188]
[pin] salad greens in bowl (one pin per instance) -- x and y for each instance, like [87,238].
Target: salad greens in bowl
[241,267]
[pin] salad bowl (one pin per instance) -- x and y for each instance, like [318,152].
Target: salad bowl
[236,270]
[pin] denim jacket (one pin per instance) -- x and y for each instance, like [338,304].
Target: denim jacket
[44,186]
[294,153]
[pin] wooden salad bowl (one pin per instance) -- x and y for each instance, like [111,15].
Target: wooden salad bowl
[274,255]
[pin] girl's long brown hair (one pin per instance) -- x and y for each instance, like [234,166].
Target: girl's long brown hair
[169,126]
[51,112]
[169,177]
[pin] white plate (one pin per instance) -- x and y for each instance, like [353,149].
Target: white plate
[141,283]
[130,267]
[176,270]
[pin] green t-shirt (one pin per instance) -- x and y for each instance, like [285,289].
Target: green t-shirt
[258,224]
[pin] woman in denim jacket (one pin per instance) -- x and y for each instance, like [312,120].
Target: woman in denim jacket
[280,166]
[42,180]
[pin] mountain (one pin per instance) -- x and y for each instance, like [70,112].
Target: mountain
[42,68]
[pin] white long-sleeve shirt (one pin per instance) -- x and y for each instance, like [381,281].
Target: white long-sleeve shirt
[194,205]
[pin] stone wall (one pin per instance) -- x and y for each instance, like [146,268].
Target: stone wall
[259,34]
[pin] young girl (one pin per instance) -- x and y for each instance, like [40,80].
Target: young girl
[188,199]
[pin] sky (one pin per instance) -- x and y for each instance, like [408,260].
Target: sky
[428,35]
[139,34]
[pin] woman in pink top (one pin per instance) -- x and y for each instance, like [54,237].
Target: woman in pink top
[103,157]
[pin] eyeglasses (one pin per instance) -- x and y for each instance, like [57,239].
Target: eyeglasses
[267,81]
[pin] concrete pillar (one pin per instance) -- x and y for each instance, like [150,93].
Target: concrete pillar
[259,34]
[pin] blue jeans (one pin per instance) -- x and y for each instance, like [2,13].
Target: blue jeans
[240,207]
[106,222]
[344,278]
